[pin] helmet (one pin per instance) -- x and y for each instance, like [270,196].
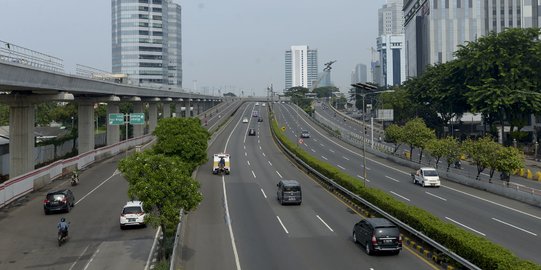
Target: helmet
[62,219]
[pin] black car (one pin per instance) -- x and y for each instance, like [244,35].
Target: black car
[305,134]
[377,234]
[289,191]
[59,201]
[251,132]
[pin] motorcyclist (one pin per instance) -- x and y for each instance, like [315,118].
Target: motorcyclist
[63,227]
[458,164]
[221,163]
[75,177]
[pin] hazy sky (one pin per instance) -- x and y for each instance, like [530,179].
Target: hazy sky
[227,44]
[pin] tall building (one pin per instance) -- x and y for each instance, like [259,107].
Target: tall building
[300,67]
[146,41]
[435,28]
[390,44]
[359,74]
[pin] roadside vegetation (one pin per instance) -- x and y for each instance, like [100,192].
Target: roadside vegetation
[161,177]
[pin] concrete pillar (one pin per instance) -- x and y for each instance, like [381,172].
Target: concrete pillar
[113,131]
[152,116]
[85,126]
[178,109]
[21,138]
[166,110]
[138,130]
[189,105]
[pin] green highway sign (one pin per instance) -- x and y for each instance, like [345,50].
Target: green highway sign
[116,119]
[137,118]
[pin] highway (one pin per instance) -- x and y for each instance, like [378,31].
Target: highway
[241,225]
[509,223]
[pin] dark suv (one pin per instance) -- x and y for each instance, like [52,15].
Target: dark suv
[289,191]
[377,234]
[60,200]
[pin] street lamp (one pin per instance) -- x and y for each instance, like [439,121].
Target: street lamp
[366,87]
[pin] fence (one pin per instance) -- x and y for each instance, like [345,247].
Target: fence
[20,55]
[18,186]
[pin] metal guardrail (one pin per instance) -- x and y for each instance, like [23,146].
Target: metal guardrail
[19,55]
[177,241]
[403,225]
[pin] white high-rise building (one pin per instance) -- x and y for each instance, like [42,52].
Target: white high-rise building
[300,67]
[146,41]
[359,74]
[434,29]
[390,44]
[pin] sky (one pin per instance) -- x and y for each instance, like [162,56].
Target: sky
[227,45]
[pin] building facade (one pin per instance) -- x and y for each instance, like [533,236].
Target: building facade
[146,41]
[391,45]
[435,28]
[301,67]
[359,74]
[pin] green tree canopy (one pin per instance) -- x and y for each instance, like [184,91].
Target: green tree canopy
[417,134]
[325,91]
[182,137]
[481,151]
[394,134]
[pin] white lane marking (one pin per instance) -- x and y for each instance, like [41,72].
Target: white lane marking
[345,158]
[398,195]
[247,161]
[245,154]
[305,144]
[315,140]
[363,178]
[465,226]
[441,198]
[269,162]
[279,220]
[391,178]
[78,258]
[485,174]
[91,259]
[264,195]
[324,158]
[253,174]
[332,151]
[516,227]
[260,147]
[244,147]
[98,186]
[322,145]
[151,254]
[367,168]
[258,139]
[263,153]
[341,167]
[279,174]
[328,227]
[313,150]
[495,203]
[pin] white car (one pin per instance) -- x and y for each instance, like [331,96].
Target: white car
[245,120]
[133,214]
[257,103]
[264,104]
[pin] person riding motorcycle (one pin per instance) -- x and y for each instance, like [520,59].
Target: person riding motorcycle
[63,227]
[221,163]
[75,177]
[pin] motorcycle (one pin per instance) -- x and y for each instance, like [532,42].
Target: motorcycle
[458,165]
[62,236]
[74,179]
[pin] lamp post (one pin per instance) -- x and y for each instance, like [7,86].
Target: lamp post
[367,87]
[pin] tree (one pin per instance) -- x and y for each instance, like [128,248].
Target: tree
[480,151]
[437,148]
[325,91]
[394,134]
[164,185]
[4,115]
[417,134]
[454,150]
[509,159]
[502,72]
[297,95]
[403,106]
[182,137]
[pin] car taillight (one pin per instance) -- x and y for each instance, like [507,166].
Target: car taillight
[45,201]
[374,240]
[64,200]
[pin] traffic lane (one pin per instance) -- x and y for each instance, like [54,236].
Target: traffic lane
[495,215]
[228,109]
[320,218]
[206,234]
[35,244]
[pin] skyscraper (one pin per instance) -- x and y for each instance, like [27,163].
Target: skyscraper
[390,44]
[300,67]
[358,75]
[146,41]
[434,29]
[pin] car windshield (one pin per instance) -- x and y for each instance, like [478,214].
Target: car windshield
[305,132]
[132,210]
[292,188]
[387,231]
[55,197]
[430,173]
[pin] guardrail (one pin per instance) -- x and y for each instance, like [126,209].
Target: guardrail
[19,55]
[376,209]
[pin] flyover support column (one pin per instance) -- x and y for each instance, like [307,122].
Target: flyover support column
[166,110]
[152,116]
[138,130]
[188,110]
[113,131]
[178,109]
[85,126]
[21,139]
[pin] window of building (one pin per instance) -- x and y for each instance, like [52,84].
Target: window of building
[458,3]
[446,3]
[156,33]
[144,32]
[149,49]
[156,1]
[143,1]
[157,9]
[157,17]
[470,4]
